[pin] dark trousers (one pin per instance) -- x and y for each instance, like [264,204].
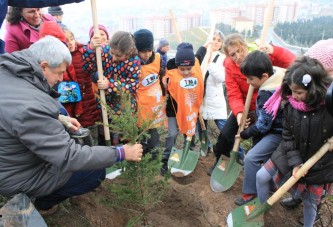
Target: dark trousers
[150,144]
[81,182]
[226,138]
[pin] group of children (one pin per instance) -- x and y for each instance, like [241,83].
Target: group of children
[288,123]
[291,124]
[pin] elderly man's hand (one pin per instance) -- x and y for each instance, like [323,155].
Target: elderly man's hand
[133,152]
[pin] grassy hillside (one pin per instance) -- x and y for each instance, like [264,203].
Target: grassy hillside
[196,36]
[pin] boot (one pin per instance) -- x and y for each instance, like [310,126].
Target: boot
[290,203]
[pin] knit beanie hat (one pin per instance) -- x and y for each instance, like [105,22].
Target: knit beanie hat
[163,42]
[144,40]
[55,11]
[52,28]
[100,27]
[185,55]
[323,52]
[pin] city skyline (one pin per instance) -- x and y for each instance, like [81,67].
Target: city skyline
[112,15]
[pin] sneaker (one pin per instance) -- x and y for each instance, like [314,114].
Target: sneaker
[290,203]
[245,198]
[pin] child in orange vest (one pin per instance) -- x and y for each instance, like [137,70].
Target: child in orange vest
[149,95]
[183,81]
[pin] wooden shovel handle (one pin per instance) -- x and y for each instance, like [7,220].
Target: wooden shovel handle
[202,123]
[268,18]
[175,27]
[303,170]
[100,76]
[244,117]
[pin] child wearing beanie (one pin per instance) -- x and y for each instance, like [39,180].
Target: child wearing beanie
[149,95]
[102,32]
[105,41]
[163,48]
[184,83]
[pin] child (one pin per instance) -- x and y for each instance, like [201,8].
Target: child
[90,114]
[323,52]
[105,38]
[149,94]
[121,67]
[236,49]
[183,81]
[258,69]
[307,126]
[163,48]
[73,108]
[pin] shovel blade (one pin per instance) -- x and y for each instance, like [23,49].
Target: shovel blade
[182,163]
[225,174]
[112,173]
[239,216]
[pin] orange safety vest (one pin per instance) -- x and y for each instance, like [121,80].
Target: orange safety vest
[188,93]
[149,94]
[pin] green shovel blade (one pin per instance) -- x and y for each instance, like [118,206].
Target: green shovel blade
[182,163]
[239,216]
[225,174]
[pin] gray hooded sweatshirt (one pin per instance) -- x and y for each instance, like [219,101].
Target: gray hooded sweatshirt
[37,156]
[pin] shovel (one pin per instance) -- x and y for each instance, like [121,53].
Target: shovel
[204,139]
[226,172]
[250,214]
[182,162]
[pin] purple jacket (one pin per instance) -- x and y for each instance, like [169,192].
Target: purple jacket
[20,36]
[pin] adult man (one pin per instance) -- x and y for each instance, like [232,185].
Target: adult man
[56,12]
[37,155]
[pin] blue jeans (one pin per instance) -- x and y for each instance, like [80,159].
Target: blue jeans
[81,182]
[255,157]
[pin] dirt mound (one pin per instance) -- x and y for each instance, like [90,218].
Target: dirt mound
[188,202]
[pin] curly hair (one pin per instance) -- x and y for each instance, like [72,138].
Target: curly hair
[14,15]
[317,86]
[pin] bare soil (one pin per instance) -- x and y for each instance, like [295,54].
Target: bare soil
[189,201]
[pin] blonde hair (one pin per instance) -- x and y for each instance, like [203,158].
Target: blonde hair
[233,40]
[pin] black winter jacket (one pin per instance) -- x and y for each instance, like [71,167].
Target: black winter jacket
[303,135]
